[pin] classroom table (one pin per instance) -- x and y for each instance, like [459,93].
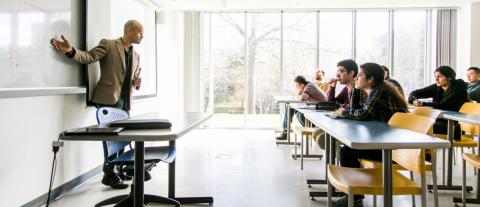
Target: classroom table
[373,135]
[287,100]
[452,116]
[181,124]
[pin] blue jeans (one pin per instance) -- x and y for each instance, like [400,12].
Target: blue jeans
[300,117]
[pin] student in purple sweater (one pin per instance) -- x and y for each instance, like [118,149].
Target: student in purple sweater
[346,72]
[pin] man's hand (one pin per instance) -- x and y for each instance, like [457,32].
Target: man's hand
[332,83]
[62,46]
[339,111]
[417,103]
[137,82]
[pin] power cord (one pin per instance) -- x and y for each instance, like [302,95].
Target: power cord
[55,148]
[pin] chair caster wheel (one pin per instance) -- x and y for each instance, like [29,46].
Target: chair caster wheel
[430,190]
[312,198]
[309,185]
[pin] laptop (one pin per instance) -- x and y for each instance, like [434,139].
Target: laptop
[142,124]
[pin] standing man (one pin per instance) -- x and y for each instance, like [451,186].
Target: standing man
[473,77]
[119,65]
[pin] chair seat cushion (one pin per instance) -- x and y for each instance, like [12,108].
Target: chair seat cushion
[152,155]
[369,181]
[366,163]
[305,130]
[472,159]
[465,141]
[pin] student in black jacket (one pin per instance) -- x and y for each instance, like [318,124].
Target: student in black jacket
[447,94]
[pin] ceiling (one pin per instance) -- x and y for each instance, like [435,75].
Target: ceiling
[299,4]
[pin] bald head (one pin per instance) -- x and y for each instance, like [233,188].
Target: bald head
[132,25]
[132,32]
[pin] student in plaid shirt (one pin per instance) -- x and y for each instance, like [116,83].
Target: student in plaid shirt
[383,101]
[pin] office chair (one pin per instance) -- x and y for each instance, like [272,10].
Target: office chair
[153,155]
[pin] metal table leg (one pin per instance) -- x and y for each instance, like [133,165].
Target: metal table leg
[387,177]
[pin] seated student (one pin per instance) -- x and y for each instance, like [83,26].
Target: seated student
[308,92]
[346,72]
[447,93]
[383,101]
[320,80]
[473,90]
[392,81]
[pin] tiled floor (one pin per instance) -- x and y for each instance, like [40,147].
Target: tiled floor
[239,168]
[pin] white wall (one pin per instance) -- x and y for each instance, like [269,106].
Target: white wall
[468,42]
[28,125]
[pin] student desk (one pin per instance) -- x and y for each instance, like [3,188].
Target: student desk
[287,100]
[461,117]
[181,124]
[372,135]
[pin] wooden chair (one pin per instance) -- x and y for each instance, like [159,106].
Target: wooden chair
[473,160]
[466,139]
[305,132]
[369,181]
[421,111]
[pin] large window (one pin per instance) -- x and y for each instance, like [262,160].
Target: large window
[299,44]
[250,57]
[228,62]
[335,40]
[372,37]
[263,75]
[409,49]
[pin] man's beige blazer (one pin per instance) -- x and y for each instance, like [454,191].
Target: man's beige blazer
[111,55]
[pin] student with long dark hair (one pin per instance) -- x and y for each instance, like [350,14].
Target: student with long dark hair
[446,93]
[383,101]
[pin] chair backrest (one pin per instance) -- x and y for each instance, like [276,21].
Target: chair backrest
[107,115]
[427,112]
[411,159]
[470,108]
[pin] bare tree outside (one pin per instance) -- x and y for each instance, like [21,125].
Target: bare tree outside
[245,58]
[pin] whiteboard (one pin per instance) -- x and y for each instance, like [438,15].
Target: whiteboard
[27,59]
[105,20]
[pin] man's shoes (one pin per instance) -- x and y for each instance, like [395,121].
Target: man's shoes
[282,136]
[343,202]
[147,176]
[124,176]
[129,173]
[114,181]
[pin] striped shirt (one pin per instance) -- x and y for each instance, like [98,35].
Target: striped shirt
[314,94]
